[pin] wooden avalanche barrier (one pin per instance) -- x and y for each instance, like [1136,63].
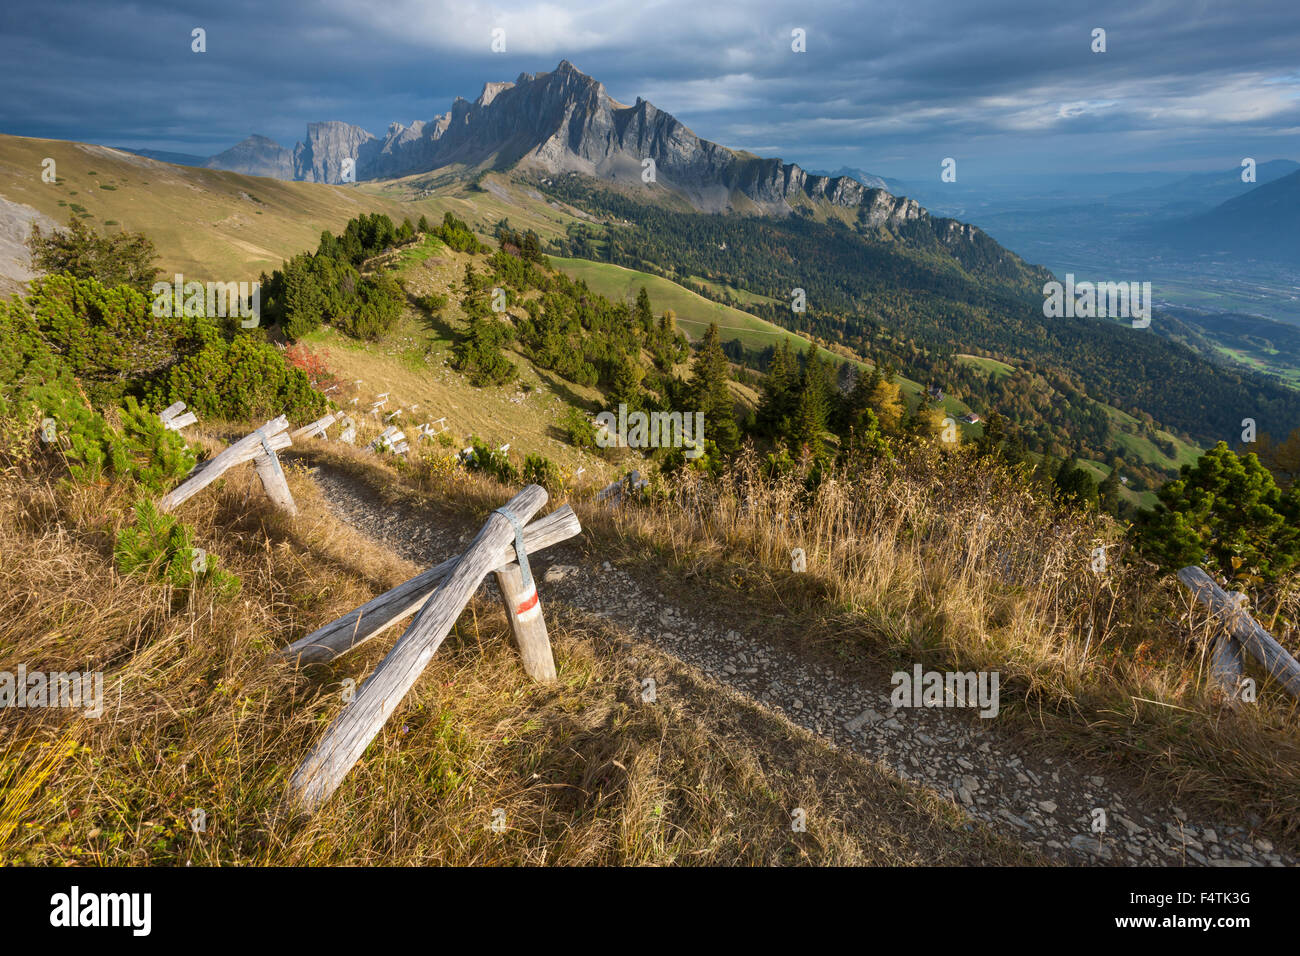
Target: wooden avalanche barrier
[317,428]
[258,447]
[616,491]
[347,737]
[377,615]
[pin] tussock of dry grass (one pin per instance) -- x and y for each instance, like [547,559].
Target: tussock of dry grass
[201,714]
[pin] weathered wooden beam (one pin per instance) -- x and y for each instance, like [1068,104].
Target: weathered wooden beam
[177,422]
[347,737]
[616,491]
[171,411]
[378,614]
[1256,641]
[246,448]
[524,611]
[315,428]
[277,442]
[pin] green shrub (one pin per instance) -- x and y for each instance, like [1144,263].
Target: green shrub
[1227,512]
[477,352]
[141,449]
[540,470]
[122,259]
[108,337]
[492,461]
[432,303]
[240,380]
[159,546]
[580,432]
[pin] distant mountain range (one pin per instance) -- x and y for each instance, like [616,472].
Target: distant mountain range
[1205,190]
[564,121]
[1260,224]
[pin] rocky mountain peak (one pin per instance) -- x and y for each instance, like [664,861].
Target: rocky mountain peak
[565,121]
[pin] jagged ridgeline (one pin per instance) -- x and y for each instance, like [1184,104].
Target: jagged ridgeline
[555,122]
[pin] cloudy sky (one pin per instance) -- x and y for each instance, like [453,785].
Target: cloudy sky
[1008,87]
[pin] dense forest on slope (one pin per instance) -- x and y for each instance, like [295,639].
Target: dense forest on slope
[913,300]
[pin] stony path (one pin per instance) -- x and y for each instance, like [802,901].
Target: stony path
[1046,805]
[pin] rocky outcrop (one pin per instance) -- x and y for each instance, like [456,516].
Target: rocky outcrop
[255,156]
[334,153]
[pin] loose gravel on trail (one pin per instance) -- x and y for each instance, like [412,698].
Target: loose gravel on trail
[1043,803]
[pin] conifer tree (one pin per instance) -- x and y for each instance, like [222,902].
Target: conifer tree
[709,376]
[625,387]
[1108,491]
[644,314]
[809,422]
[774,405]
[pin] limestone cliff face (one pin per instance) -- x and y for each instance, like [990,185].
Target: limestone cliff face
[329,150]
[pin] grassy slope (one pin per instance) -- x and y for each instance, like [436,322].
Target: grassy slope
[1099,471]
[987,365]
[694,313]
[1135,446]
[1143,448]
[204,222]
[411,363]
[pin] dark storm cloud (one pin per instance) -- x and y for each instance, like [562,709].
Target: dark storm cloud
[1008,86]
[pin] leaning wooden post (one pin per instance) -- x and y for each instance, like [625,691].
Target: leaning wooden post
[345,741]
[272,475]
[1245,631]
[524,610]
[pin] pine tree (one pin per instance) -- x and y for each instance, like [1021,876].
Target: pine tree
[1226,512]
[1108,492]
[304,301]
[644,314]
[809,422]
[709,375]
[625,387]
[774,406]
[990,443]
[857,404]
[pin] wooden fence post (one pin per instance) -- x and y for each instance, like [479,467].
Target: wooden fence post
[1244,631]
[324,768]
[173,419]
[316,428]
[524,611]
[272,475]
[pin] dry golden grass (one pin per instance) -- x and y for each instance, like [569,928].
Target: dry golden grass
[200,713]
